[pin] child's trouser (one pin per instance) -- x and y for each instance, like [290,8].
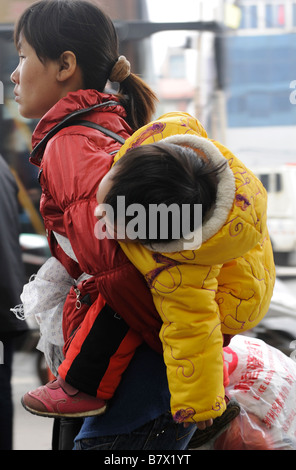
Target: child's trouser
[99,351]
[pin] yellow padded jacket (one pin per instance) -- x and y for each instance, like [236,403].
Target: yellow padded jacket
[222,286]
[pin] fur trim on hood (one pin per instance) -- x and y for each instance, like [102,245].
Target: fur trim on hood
[224,201]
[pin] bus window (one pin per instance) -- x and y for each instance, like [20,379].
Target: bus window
[265,181]
[278,182]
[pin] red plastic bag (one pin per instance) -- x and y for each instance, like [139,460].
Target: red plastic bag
[246,432]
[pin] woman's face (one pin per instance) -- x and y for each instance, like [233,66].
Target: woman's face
[36,86]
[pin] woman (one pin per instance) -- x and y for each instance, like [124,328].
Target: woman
[68,50]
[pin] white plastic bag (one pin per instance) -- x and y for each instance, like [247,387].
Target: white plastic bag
[44,297]
[263,381]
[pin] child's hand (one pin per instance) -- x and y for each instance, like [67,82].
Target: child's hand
[204,424]
[201,424]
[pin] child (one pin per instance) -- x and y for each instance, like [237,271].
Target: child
[209,283]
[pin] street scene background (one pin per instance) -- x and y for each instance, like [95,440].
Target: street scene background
[230,63]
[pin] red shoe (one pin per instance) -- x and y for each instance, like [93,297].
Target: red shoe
[57,399]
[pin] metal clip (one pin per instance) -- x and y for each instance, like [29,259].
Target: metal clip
[78,303]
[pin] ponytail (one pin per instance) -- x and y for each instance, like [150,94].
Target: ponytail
[136,96]
[138,100]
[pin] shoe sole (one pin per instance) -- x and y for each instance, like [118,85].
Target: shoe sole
[80,414]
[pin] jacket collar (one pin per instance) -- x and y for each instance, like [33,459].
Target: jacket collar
[73,105]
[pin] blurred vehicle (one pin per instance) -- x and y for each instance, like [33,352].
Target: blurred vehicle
[35,252]
[280,184]
[278,327]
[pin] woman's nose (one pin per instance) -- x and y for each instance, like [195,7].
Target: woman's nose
[14,76]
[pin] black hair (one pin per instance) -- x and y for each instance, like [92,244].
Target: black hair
[52,27]
[164,173]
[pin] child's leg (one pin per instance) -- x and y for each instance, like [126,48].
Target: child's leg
[99,352]
[96,358]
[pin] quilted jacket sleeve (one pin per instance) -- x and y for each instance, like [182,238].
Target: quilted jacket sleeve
[192,341]
[73,168]
[184,296]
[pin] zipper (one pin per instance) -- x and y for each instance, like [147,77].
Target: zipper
[78,302]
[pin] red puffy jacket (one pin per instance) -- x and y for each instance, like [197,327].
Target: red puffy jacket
[72,165]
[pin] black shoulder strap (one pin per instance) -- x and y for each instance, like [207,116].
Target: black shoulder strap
[93,125]
[70,121]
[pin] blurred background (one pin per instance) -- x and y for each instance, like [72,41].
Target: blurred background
[232,64]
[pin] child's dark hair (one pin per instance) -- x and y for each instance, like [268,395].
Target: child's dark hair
[52,27]
[164,173]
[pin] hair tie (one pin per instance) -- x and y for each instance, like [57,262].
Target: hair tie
[121,70]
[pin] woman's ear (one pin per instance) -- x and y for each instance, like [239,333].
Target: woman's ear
[67,64]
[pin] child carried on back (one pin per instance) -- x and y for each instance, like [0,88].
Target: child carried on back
[210,281]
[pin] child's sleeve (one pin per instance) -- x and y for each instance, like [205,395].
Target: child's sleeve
[184,296]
